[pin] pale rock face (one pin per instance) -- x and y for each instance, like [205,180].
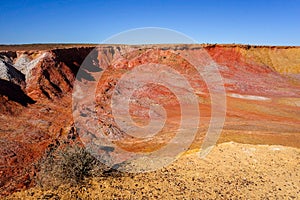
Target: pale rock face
[9,73]
[22,62]
[25,64]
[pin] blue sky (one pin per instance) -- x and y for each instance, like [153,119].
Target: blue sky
[270,22]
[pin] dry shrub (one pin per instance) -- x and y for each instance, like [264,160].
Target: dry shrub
[69,165]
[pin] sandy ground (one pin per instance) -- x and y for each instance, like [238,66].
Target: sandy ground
[230,171]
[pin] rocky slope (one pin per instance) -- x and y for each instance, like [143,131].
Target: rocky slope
[36,82]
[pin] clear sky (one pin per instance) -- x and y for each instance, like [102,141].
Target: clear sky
[270,22]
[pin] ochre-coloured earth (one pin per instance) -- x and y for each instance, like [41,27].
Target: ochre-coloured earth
[262,85]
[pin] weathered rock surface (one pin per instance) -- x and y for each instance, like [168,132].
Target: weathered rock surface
[36,84]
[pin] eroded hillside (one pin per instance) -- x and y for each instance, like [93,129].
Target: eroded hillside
[36,83]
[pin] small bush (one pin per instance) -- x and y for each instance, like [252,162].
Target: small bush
[69,165]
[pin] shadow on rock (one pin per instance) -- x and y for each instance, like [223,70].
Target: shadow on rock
[14,93]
